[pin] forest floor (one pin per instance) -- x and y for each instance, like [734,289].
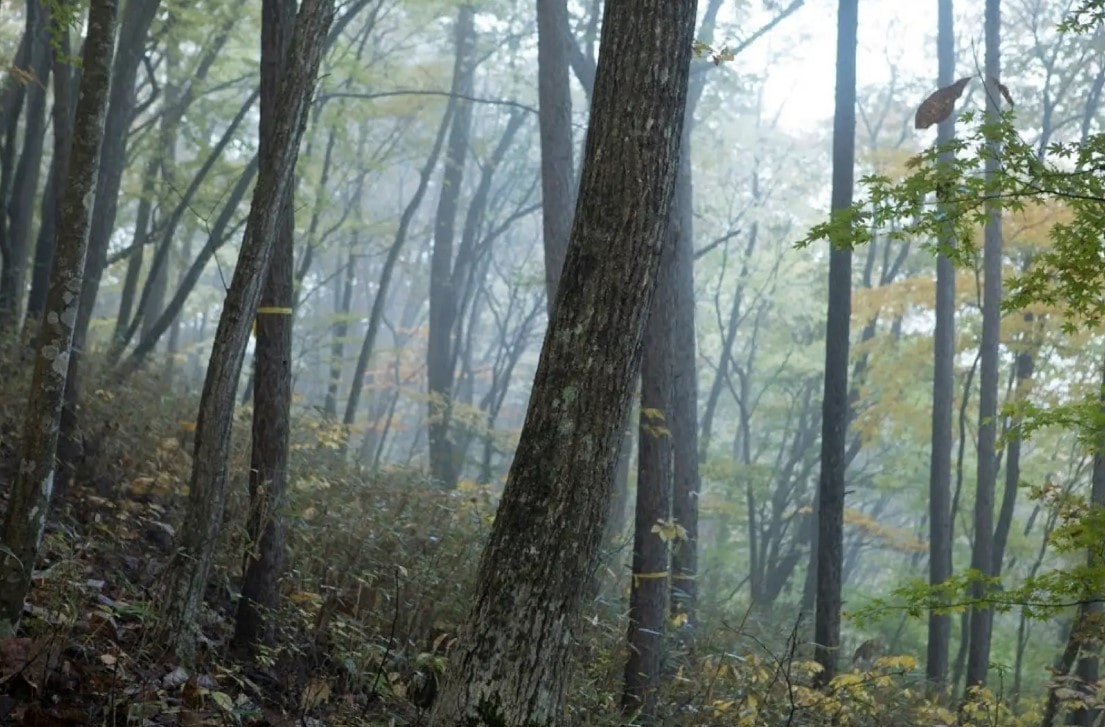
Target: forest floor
[374,587]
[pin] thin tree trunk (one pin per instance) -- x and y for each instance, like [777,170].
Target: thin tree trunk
[943,392]
[134,27]
[982,553]
[62,117]
[272,391]
[684,406]
[443,292]
[648,599]
[509,668]
[207,490]
[20,208]
[34,482]
[554,100]
[835,407]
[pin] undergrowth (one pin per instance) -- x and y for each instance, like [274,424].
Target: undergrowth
[379,565]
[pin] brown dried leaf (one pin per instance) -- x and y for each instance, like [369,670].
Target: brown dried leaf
[939,105]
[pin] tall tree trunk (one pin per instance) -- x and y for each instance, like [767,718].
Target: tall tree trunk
[509,668]
[982,553]
[684,406]
[648,599]
[554,99]
[34,482]
[943,389]
[20,208]
[684,371]
[62,117]
[207,491]
[134,26]
[272,359]
[835,408]
[443,293]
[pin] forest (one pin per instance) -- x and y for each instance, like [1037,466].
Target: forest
[495,363]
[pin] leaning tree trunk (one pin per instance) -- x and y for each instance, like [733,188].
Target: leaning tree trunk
[207,491]
[943,391]
[510,667]
[34,482]
[272,360]
[982,552]
[835,408]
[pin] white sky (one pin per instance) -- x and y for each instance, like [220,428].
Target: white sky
[800,54]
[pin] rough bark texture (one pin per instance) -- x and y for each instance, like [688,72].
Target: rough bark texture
[509,668]
[648,599]
[943,393]
[835,408]
[444,468]
[34,481]
[207,492]
[554,100]
[982,552]
[272,389]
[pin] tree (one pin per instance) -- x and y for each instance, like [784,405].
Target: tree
[133,28]
[20,208]
[943,392]
[509,667]
[648,598]
[272,381]
[207,491]
[555,103]
[835,405]
[982,551]
[34,483]
[444,467]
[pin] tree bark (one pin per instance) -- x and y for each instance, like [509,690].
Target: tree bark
[272,389]
[509,668]
[835,405]
[34,482]
[207,491]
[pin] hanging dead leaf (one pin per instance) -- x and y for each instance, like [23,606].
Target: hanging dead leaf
[939,105]
[1004,92]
